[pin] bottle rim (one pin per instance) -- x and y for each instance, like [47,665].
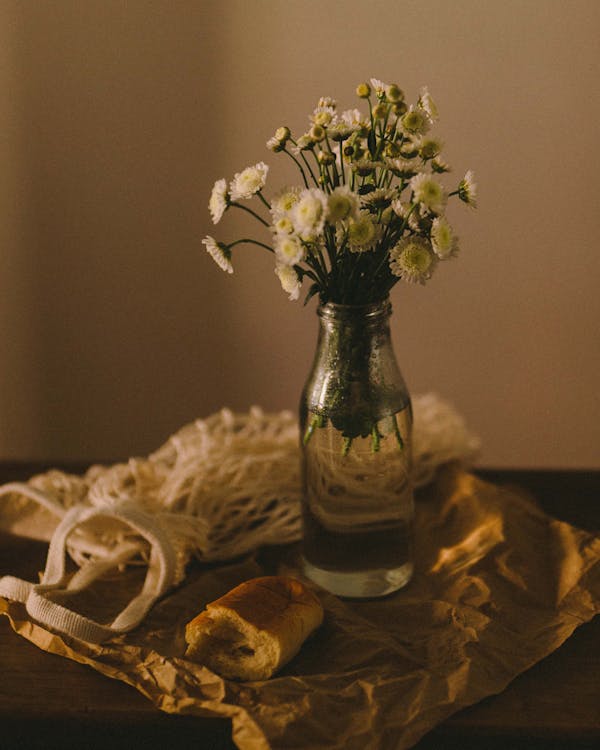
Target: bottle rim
[333,310]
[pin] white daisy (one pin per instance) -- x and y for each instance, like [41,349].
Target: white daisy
[275,144]
[247,183]
[283,225]
[412,260]
[467,189]
[378,199]
[327,101]
[429,193]
[219,252]
[403,209]
[427,104]
[217,205]
[415,121]
[309,213]
[362,233]
[354,119]
[339,131]
[284,201]
[402,167]
[379,86]
[429,147]
[342,204]
[289,280]
[439,165]
[304,143]
[289,250]
[443,239]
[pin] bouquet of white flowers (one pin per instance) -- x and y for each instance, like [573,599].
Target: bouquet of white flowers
[370,209]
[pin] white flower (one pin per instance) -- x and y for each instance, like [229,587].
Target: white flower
[284,201]
[327,101]
[274,144]
[427,104]
[279,140]
[378,199]
[467,189]
[362,233]
[379,86]
[415,121]
[439,165]
[289,250]
[428,192]
[429,147]
[403,167]
[217,205]
[443,239]
[403,210]
[219,252]
[364,166]
[283,225]
[304,143]
[289,280]
[342,204]
[324,113]
[354,119]
[412,260]
[309,213]
[247,183]
[339,131]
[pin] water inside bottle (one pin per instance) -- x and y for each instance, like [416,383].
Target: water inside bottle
[358,508]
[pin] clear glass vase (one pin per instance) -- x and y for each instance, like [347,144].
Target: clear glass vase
[356,425]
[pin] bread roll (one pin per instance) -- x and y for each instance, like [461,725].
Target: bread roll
[255,629]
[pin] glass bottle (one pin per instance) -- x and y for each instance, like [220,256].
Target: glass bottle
[355,429]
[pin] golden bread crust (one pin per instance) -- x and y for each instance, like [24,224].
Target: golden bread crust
[272,616]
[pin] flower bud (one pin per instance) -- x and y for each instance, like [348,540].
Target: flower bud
[363,90]
[394,94]
[323,118]
[305,142]
[380,111]
[274,144]
[325,157]
[317,133]
[400,108]
[282,134]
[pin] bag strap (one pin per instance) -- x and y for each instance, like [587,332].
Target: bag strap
[37,597]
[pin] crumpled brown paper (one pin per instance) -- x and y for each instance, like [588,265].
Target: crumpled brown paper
[498,586]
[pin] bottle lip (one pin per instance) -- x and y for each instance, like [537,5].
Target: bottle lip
[372,310]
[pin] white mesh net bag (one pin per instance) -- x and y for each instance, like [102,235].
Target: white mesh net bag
[219,487]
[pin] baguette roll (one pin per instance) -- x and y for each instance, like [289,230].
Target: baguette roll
[256,628]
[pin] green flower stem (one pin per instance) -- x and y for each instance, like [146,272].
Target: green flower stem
[342,163]
[399,439]
[375,439]
[320,272]
[305,160]
[346,446]
[264,200]
[250,211]
[317,421]
[248,241]
[300,167]
[336,174]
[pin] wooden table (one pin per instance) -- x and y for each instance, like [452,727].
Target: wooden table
[50,702]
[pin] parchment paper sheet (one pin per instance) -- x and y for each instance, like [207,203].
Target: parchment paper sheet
[498,586]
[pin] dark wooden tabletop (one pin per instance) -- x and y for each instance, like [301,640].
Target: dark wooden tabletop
[48,702]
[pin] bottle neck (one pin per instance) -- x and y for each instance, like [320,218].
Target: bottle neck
[374,317]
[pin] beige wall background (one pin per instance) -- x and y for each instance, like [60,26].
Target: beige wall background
[116,118]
